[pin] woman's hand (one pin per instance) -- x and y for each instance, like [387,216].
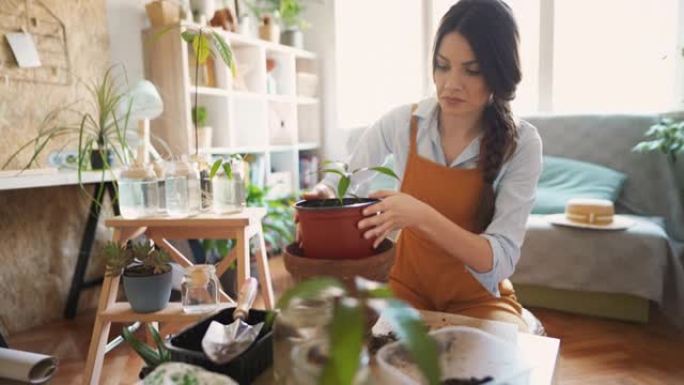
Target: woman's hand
[395,211]
[320,191]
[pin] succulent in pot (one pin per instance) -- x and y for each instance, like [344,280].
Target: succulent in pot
[146,274]
[328,227]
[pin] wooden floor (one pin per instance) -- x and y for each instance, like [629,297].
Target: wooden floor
[593,351]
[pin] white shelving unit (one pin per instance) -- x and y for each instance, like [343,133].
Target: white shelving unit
[270,120]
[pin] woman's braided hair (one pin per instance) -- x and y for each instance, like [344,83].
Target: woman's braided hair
[491,30]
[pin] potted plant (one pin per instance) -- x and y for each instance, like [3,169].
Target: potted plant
[329,226]
[98,129]
[152,356]
[228,184]
[667,136]
[146,274]
[204,132]
[336,355]
[294,24]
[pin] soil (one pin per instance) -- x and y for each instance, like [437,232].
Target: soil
[316,357]
[333,202]
[467,381]
[376,342]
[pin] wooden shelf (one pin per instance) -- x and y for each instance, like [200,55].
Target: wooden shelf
[307,100]
[308,146]
[209,91]
[122,312]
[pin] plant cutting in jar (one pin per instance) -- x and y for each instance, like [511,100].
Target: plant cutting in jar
[338,359]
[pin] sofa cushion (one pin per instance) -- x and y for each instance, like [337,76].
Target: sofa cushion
[562,179]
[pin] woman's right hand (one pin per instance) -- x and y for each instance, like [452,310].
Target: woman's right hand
[320,191]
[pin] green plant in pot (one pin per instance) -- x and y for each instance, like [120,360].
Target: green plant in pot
[228,184]
[204,132]
[322,332]
[153,356]
[146,274]
[98,128]
[293,23]
[328,227]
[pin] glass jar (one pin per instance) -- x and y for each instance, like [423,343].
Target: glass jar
[204,168]
[138,191]
[182,188]
[160,171]
[199,289]
[229,191]
[309,358]
[300,322]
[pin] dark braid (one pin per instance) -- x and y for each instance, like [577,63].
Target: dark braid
[497,145]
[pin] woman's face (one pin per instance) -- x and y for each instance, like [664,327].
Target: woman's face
[461,87]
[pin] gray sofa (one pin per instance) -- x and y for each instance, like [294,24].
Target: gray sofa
[611,274]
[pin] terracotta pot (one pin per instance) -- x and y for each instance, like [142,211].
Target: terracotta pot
[329,230]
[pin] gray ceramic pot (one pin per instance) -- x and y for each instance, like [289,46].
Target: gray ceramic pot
[293,38]
[148,294]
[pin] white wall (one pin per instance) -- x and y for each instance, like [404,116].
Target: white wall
[126,19]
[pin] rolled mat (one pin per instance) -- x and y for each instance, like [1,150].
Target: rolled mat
[375,267]
[26,367]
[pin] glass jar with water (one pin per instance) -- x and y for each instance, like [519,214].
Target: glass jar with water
[138,191]
[300,322]
[182,188]
[228,187]
[199,289]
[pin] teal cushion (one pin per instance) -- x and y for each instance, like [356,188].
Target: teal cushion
[562,179]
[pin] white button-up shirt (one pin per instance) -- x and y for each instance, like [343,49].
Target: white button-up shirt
[514,187]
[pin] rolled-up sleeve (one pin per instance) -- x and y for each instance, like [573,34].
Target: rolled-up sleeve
[515,193]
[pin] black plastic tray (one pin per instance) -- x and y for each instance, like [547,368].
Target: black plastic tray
[186,347]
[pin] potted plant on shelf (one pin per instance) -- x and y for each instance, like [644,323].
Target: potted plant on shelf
[146,274]
[228,184]
[327,326]
[294,24]
[99,130]
[328,227]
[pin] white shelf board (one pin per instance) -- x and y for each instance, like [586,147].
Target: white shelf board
[247,95]
[307,100]
[281,98]
[308,146]
[239,40]
[236,150]
[282,147]
[59,178]
[209,91]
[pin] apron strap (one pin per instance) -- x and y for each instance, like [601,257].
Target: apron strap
[413,148]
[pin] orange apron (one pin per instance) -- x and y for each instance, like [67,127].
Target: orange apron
[425,275]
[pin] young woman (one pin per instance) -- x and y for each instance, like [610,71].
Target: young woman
[469,171]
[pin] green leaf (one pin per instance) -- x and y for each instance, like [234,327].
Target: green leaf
[200,44]
[346,342]
[215,167]
[164,354]
[228,170]
[343,186]
[385,170]
[145,352]
[412,332]
[188,36]
[309,289]
[224,50]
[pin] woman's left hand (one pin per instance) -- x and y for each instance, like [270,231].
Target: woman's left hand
[394,212]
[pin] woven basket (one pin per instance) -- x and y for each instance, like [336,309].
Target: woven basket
[375,267]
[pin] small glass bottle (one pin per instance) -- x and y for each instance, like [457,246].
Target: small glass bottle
[182,188]
[160,171]
[138,191]
[229,192]
[199,289]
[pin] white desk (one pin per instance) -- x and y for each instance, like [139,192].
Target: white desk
[34,178]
